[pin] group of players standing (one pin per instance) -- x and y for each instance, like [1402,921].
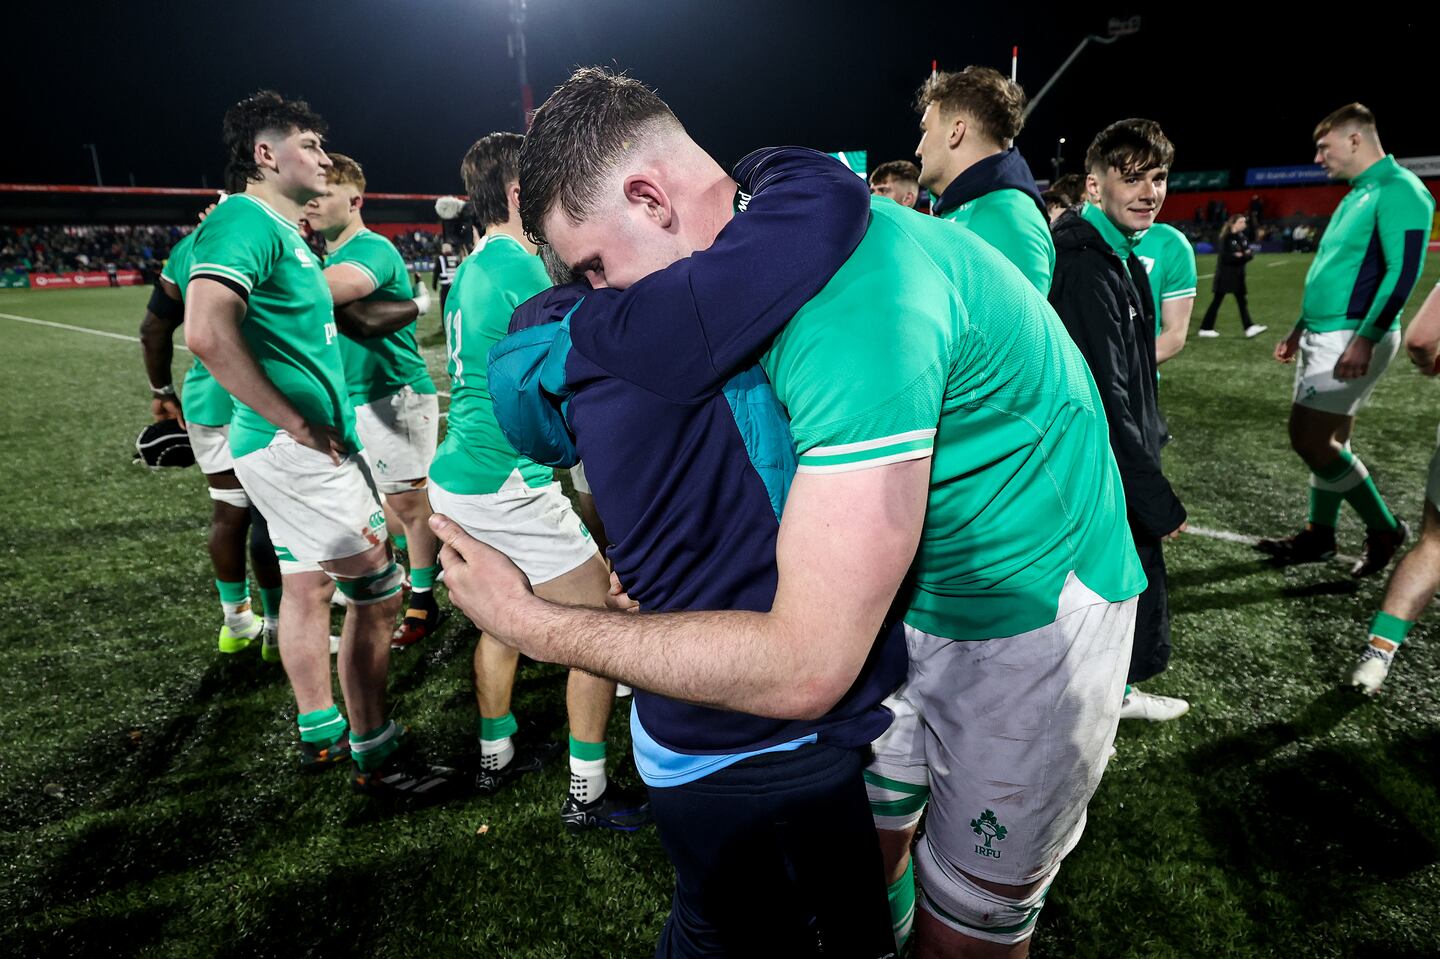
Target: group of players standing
[887,489]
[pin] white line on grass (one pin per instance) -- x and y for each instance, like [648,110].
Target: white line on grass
[76,329]
[1204,276]
[113,336]
[1226,536]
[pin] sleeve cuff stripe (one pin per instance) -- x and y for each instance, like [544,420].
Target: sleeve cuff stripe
[364,270]
[868,459]
[215,269]
[1178,295]
[879,442]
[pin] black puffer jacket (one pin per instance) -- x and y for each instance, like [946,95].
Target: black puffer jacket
[1235,252]
[1106,305]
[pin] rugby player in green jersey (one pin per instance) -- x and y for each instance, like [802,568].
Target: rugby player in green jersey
[968,124]
[205,414]
[899,180]
[1417,576]
[258,314]
[960,442]
[397,411]
[1169,262]
[1369,260]
[514,504]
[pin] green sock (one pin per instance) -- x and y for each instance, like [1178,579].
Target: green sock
[1326,492]
[1367,501]
[1126,696]
[323,727]
[587,769]
[401,542]
[373,748]
[901,894]
[1392,628]
[233,594]
[422,578]
[270,600]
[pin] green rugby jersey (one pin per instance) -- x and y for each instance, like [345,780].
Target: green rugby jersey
[475,458]
[289,320]
[1169,261]
[204,400]
[380,366]
[923,344]
[1010,221]
[1371,254]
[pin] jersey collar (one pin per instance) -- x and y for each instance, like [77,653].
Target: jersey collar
[1117,241]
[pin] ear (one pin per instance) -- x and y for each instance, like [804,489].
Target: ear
[641,190]
[957,133]
[513,198]
[1092,188]
[265,155]
[356,202]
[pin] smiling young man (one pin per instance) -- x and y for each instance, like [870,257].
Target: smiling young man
[258,313]
[1102,293]
[1369,260]
[965,439]
[397,412]
[968,124]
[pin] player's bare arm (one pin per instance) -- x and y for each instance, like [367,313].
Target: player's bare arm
[846,542]
[1174,327]
[1422,336]
[348,283]
[369,318]
[157,344]
[1288,348]
[213,314]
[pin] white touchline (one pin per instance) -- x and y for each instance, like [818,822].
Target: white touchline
[1204,276]
[1226,536]
[78,329]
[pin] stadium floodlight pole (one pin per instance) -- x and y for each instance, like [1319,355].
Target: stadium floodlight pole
[516,42]
[95,159]
[1118,28]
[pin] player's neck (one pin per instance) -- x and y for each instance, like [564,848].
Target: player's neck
[355,225]
[716,208]
[970,154]
[1369,158]
[269,192]
[513,230]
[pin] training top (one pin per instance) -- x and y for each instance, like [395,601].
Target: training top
[1169,262]
[1371,254]
[998,199]
[204,400]
[380,366]
[492,281]
[289,320]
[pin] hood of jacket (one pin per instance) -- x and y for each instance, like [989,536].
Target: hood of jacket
[1006,170]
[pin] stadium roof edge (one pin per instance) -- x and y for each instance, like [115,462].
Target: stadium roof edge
[167,191]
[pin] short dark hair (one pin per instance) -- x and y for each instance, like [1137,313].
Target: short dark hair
[1130,146]
[489,167]
[255,115]
[1070,188]
[1351,113]
[578,134]
[995,103]
[895,170]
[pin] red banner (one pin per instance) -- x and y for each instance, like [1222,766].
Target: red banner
[70,281]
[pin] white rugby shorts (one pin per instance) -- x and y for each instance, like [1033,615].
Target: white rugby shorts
[1011,736]
[536,528]
[1315,384]
[211,445]
[398,433]
[317,511]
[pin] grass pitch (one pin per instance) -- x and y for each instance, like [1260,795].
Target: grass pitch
[149,803]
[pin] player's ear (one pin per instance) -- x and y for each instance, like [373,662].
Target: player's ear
[957,132]
[514,199]
[1092,187]
[642,191]
[356,202]
[265,155]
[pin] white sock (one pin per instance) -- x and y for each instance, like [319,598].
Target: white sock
[239,616]
[496,753]
[587,778]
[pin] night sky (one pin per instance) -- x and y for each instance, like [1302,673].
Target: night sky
[407,85]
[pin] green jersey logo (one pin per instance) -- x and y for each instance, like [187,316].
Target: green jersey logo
[988,828]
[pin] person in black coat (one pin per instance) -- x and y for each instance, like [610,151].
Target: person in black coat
[1235,252]
[1102,293]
